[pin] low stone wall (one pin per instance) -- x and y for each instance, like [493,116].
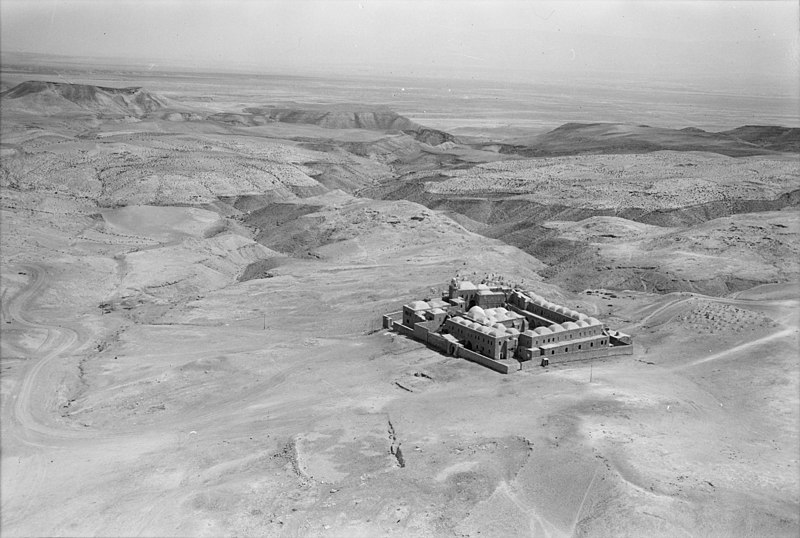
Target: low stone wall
[391,318]
[588,354]
[442,344]
[402,329]
[421,332]
[497,366]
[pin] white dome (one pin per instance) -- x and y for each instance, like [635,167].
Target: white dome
[542,330]
[555,327]
[593,321]
[569,325]
[581,323]
[476,310]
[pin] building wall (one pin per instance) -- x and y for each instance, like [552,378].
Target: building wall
[497,366]
[549,315]
[517,324]
[590,354]
[391,318]
[476,340]
[574,347]
[562,336]
[490,300]
[408,316]
[435,321]
[442,344]
[403,329]
[468,295]
[534,320]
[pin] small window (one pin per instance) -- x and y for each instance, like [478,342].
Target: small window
[579,346]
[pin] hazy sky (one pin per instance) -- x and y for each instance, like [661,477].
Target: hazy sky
[743,43]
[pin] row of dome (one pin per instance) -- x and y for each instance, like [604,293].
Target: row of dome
[544,303]
[560,327]
[422,305]
[497,330]
[467,285]
[491,315]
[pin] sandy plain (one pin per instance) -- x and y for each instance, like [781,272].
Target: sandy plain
[191,345]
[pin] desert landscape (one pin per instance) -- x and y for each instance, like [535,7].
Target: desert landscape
[195,266]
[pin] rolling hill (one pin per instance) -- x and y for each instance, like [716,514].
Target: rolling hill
[58,97]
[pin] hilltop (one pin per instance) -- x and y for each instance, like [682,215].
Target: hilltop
[60,97]
[346,116]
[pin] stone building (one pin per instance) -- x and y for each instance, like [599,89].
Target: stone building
[502,327]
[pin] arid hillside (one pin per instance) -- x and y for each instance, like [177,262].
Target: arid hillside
[192,340]
[682,193]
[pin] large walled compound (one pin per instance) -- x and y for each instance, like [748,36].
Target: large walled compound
[503,327]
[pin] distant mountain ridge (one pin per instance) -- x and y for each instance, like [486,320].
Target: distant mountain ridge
[599,138]
[378,118]
[768,136]
[53,98]
[40,96]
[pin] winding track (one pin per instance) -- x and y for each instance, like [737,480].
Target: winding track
[742,347]
[19,416]
[60,341]
[30,418]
